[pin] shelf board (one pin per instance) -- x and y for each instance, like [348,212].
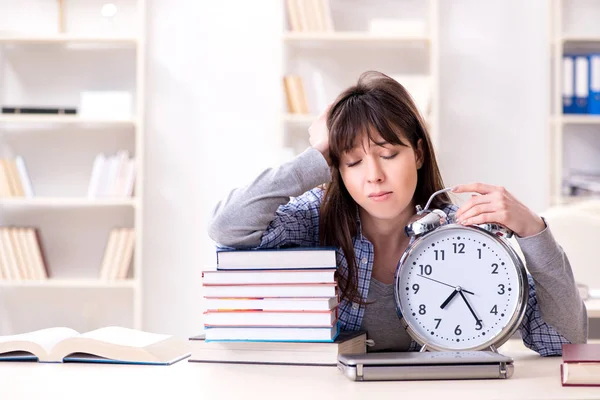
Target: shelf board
[59,38]
[63,119]
[351,36]
[580,119]
[593,308]
[299,118]
[581,39]
[67,202]
[70,283]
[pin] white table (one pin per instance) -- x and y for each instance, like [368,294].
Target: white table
[534,377]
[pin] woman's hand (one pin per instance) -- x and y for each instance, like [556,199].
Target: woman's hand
[496,205]
[319,135]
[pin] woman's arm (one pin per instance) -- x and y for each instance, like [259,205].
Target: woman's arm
[556,300]
[241,219]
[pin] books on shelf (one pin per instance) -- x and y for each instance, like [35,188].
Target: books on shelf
[295,94]
[290,353]
[118,254]
[581,365]
[582,184]
[112,176]
[105,345]
[39,110]
[309,16]
[14,178]
[21,254]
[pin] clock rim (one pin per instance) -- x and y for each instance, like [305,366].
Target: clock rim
[514,322]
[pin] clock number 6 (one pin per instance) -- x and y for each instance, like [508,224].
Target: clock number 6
[457,331]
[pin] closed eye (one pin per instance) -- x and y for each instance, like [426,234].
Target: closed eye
[352,164]
[389,157]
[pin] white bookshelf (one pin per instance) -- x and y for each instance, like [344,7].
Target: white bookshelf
[574,138]
[342,54]
[89,53]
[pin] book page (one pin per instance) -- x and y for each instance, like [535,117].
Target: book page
[124,336]
[46,338]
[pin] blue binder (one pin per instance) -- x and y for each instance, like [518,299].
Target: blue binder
[594,96]
[568,84]
[582,85]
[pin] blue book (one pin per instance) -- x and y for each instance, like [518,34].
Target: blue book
[594,97]
[279,258]
[568,84]
[115,345]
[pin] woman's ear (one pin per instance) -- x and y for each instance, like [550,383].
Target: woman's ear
[419,155]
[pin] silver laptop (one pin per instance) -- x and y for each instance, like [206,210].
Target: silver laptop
[425,366]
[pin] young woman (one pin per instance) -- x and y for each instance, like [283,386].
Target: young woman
[372,152]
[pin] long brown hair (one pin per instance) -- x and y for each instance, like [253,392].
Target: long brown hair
[381,104]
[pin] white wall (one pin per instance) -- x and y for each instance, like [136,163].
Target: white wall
[495,95]
[212,91]
[213,96]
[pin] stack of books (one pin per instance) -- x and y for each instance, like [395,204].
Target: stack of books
[273,306]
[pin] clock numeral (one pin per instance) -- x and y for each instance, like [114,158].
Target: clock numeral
[494,310]
[415,287]
[478,326]
[501,287]
[495,271]
[439,253]
[438,322]
[457,331]
[459,248]
[479,253]
[422,309]
[425,269]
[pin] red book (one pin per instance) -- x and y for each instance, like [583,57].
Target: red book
[581,365]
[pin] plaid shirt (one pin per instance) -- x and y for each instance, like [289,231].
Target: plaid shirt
[297,224]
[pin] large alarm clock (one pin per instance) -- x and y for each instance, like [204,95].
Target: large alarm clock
[459,287]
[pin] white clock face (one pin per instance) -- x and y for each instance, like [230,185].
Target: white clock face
[458,289]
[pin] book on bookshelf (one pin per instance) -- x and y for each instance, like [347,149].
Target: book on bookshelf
[285,353]
[580,365]
[38,110]
[309,16]
[21,254]
[282,258]
[111,344]
[112,176]
[14,178]
[118,254]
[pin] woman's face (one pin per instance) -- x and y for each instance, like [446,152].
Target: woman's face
[381,177]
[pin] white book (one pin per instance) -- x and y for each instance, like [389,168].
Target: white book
[272,304]
[272,334]
[109,345]
[24,176]
[95,178]
[270,318]
[288,258]
[245,291]
[268,277]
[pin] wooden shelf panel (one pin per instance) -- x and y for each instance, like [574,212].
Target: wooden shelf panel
[68,39]
[67,202]
[583,119]
[61,119]
[351,36]
[70,283]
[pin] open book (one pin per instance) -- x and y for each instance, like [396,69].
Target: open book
[109,345]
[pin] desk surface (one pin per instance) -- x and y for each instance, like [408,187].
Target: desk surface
[534,377]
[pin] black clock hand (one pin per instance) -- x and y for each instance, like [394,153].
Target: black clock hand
[445,303]
[477,320]
[431,279]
